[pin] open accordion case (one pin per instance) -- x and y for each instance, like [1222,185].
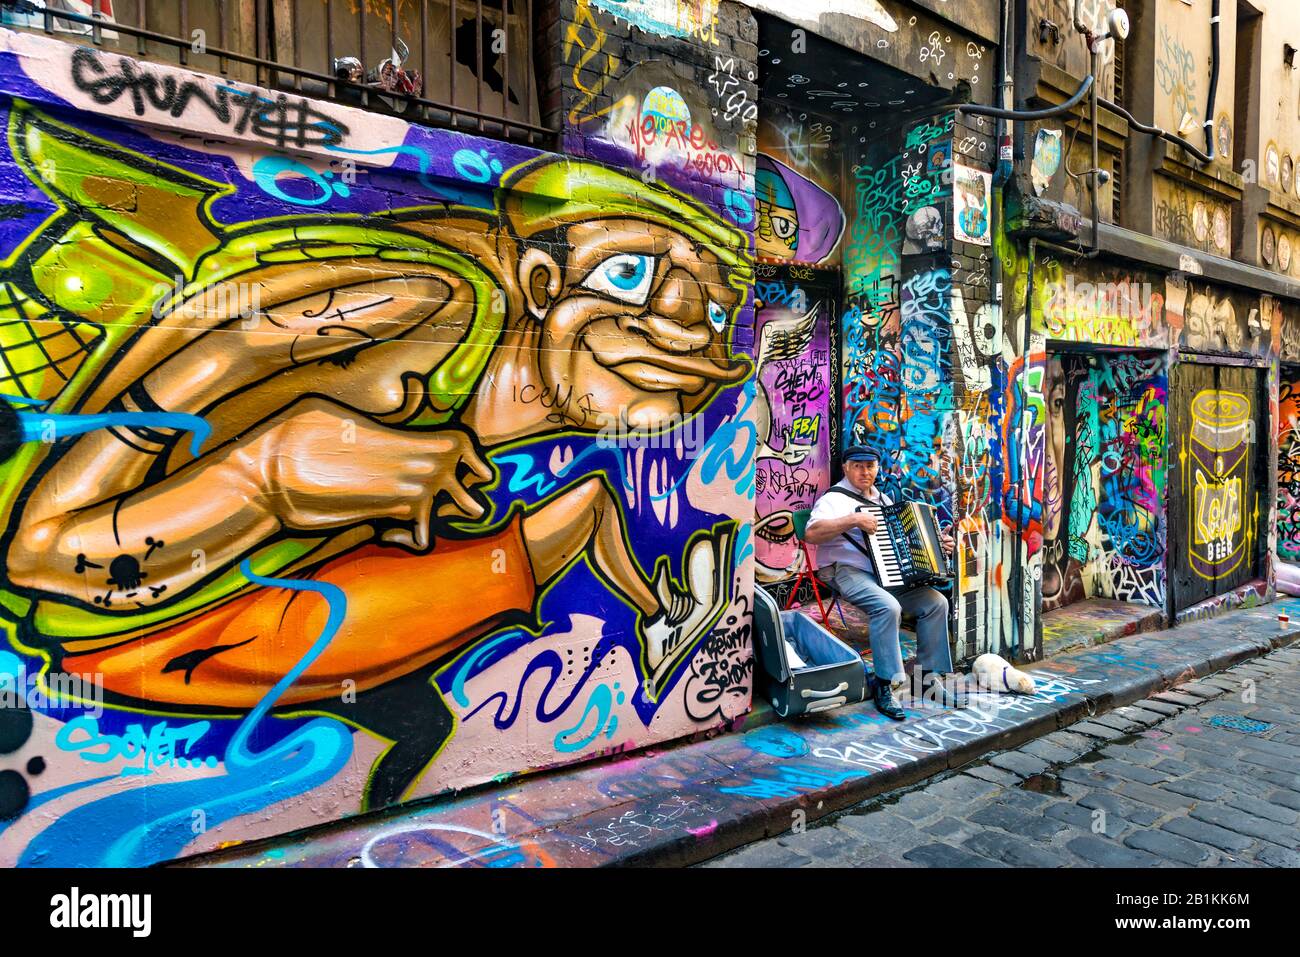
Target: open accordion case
[803,668]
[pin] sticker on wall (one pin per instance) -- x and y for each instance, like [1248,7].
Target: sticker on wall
[924,232]
[972,189]
[940,156]
[1221,228]
[1201,221]
[1272,166]
[1223,134]
[1288,171]
[1284,253]
[1047,159]
[1267,245]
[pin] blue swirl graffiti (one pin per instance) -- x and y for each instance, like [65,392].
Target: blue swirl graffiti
[253,780]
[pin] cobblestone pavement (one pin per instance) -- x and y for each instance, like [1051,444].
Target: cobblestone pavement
[1206,775]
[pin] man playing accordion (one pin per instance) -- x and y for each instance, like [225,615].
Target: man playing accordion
[842,564]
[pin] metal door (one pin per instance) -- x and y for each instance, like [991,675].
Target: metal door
[1215,506]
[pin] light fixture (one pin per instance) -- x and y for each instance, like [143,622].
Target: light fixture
[1117,25]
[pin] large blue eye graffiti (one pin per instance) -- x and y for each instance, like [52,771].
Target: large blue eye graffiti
[717,316]
[625,277]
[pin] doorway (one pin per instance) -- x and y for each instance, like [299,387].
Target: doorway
[1216,512]
[1104,520]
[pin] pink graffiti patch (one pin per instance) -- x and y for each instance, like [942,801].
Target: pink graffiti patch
[705,830]
[1193,729]
[1163,747]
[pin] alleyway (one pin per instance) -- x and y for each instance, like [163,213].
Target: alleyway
[1192,777]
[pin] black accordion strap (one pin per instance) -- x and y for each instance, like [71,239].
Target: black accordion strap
[845,535]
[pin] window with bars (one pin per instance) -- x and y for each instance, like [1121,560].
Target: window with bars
[465,64]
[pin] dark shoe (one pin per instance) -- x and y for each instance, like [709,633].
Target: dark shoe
[882,692]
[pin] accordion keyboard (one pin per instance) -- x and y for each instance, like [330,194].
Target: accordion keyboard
[905,547]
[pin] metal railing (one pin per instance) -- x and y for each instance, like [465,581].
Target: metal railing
[462,64]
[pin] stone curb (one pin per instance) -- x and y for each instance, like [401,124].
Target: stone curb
[663,807]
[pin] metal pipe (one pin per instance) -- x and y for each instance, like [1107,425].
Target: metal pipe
[1018,642]
[1044,114]
[1094,174]
[424,45]
[451,33]
[478,59]
[1214,77]
[331,88]
[505,57]
[1078,19]
[222,65]
[529,23]
[1156,131]
[1003,95]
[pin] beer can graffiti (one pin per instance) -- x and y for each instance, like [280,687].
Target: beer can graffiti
[1219,460]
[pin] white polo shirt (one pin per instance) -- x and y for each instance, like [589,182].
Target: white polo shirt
[835,505]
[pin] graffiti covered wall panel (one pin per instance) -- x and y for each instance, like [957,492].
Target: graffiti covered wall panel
[1215,426]
[797,185]
[1105,480]
[1288,466]
[269,418]
[896,328]
[792,362]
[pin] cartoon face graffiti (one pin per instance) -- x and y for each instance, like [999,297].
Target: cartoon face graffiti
[778,220]
[341,434]
[796,219]
[637,315]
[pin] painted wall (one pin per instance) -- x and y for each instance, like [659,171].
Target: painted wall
[1288,466]
[922,346]
[1105,483]
[798,184]
[795,409]
[666,90]
[352,460]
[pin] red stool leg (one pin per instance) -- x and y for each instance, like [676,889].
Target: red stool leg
[821,609]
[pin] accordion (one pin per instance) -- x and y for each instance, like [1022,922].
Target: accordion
[905,549]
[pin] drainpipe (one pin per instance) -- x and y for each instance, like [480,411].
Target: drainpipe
[1018,571]
[1214,77]
[1003,98]
[1157,132]
[1096,173]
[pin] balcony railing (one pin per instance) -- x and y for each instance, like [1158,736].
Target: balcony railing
[463,64]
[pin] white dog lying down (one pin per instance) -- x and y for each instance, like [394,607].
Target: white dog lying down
[995,673]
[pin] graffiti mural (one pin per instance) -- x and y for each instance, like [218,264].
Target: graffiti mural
[1216,432]
[1218,464]
[797,182]
[261,433]
[675,18]
[1105,481]
[794,413]
[896,328]
[1288,467]
[685,116]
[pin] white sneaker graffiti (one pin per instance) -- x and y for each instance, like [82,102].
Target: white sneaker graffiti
[687,613]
